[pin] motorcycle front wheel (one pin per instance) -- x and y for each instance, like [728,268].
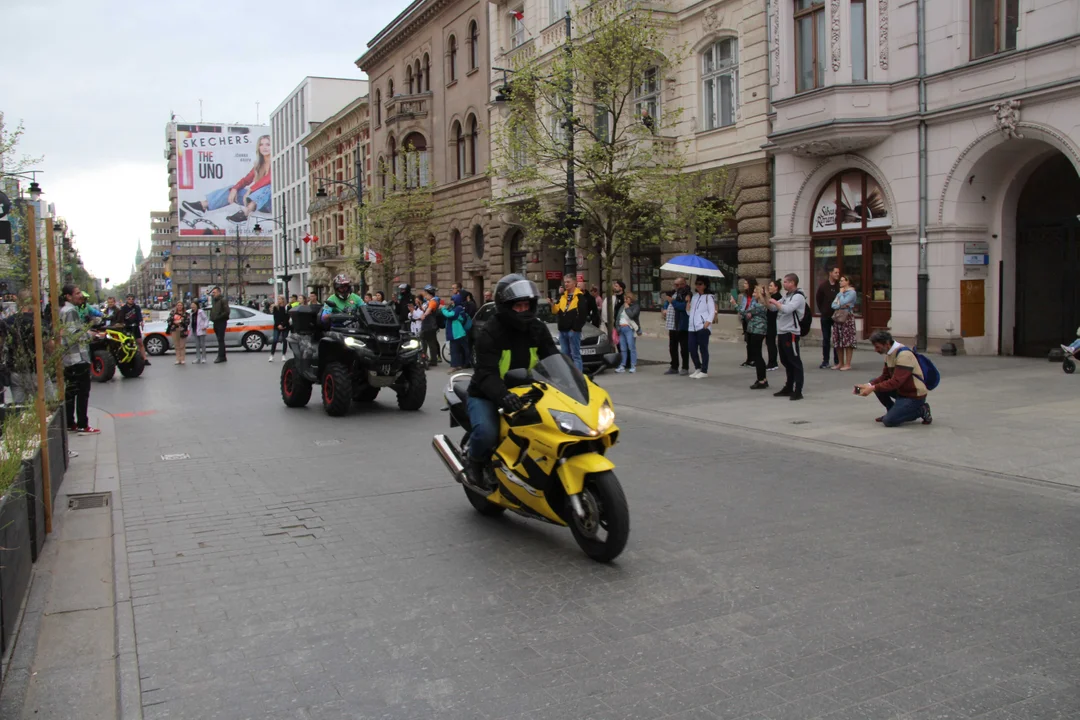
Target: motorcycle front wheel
[603,532]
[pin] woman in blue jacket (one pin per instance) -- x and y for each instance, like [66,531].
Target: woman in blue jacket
[457,329]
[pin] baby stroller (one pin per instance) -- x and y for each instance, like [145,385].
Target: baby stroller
[1071,352]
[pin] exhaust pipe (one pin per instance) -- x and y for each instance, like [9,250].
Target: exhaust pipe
[450,457]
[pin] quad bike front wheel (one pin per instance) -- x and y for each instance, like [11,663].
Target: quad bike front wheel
[602,533]
[336,390]
[295,388]
[1069,366]
[134,368]
[102,366]
[412,388]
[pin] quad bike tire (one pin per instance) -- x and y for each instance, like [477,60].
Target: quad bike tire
[410,397]
[102,366]
[295,388]
[366,395]
[134,368]
[608,499]
[336,390]
[1069,366]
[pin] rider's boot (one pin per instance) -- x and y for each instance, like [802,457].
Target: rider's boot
[477,475]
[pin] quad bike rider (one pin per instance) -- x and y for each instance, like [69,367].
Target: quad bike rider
[112,347]
[353,350]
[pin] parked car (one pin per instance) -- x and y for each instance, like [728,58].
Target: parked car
[247,328]
[594,342]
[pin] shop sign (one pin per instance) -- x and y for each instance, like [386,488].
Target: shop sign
[554,275]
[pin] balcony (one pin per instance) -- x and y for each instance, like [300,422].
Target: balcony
[838,119]
[328,252]
[402,108]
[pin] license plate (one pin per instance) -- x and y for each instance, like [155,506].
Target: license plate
[588,351]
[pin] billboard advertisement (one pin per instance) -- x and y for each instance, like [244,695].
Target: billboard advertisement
[223,178]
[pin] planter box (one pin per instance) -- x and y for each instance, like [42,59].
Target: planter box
[34,484]
[15,560]
[57,451]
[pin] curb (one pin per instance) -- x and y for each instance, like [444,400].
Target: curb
[128,688]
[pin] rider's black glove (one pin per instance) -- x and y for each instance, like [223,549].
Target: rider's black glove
[511,403]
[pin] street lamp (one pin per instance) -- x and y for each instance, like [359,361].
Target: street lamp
[358,189]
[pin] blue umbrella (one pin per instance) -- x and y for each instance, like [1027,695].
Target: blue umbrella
[692,265]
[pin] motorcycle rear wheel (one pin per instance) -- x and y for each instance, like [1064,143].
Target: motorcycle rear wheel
[607,513]
[482,506]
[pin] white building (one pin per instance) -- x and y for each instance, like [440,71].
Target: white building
[931,149]
[313,101]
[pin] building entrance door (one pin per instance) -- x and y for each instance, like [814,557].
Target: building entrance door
[1048,259]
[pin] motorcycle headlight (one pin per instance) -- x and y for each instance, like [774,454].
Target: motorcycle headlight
[607,418]
[411,344]
[571,424]
[354,343]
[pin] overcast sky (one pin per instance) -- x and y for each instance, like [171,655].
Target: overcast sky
[95,81]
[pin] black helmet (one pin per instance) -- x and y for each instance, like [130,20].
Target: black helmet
[342,285]
[511,290]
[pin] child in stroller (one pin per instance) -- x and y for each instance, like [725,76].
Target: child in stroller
[1071,351]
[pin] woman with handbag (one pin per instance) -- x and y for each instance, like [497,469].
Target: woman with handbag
[843,330]
[702,313]
[626,320]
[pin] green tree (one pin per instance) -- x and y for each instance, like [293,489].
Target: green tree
[630,182]
[396,222]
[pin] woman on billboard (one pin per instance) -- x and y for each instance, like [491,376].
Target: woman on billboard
[253,192]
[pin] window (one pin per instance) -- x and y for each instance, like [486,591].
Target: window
[417,163]
[858,40]
[427,74]
[419,77]
[557,118]
[517,30]
[519,147]
[557,9]
[809,44]
[409,78]
[433,266]
[601,113]
[392,146]
[452,58]
[474,45]
[459,138]
[478,243]
[647,98]
[720,74]
[519,257]
[724,251]
[390,89]
[993,26]
[645,275]
[474,135]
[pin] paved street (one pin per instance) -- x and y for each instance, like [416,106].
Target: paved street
[305,567]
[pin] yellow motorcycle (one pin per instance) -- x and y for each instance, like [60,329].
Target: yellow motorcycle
[550,463]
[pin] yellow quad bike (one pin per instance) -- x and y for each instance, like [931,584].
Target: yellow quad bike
[550,463]
[113,349]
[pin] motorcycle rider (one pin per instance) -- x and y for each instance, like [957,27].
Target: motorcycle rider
[342,300]
[513,338]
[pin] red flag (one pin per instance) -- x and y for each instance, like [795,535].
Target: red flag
[518,15]
[307,238]
[315,239]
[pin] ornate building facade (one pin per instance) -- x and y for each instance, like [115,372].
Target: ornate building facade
[339,149]
[933,157]
[429,76]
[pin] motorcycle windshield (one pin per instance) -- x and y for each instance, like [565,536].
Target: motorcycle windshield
[559,371]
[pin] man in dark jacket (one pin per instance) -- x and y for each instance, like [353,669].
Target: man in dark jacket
[513,338]
[130,315]
[678,321]
[219,318]
[823,299]
[572,311]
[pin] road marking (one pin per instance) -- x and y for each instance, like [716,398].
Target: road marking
[141,413]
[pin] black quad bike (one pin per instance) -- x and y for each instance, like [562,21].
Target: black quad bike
[113,349]
[362,353]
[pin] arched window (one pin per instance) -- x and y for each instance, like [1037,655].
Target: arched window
[392,147]
[478,243]
[720,82]
[378,108]
[416,160]
[451,43]
[427,73]
[419,77]
[455,249]
[390,89]
[409,78]
[519,257]
[473,132]
[459,150]
[380,169]
[474,45]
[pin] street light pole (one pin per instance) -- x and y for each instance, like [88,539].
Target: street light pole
[571,192]
[357,188]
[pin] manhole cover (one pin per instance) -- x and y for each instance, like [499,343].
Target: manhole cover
[88,501]
[176,456]
[800,422]
[325,443]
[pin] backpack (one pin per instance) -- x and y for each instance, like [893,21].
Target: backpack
[930,376]
[807,320]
